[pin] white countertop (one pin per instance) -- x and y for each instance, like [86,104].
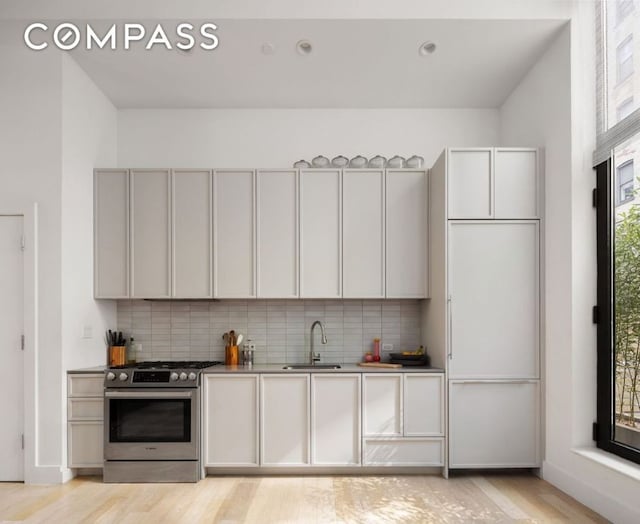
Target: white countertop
[277,368]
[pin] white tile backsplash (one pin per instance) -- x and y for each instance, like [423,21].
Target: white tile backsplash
[192,330]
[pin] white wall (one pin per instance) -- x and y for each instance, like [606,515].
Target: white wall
[279,137]
[554,107]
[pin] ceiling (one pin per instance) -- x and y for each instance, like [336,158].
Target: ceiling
[354,64]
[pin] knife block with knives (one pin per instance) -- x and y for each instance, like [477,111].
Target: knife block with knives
[231,348]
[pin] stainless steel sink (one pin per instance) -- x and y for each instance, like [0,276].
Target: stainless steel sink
[309,367]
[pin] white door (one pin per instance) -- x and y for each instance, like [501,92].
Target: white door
[516,181]
[150,233]
[234,234]
[494,424]
[363,233]
[284,420]
[320,233]
[277,220]
[192,234]
[335,419]
[382,404]
[230,419]
[469,178]
[406,237]
[494,295]
[11,330]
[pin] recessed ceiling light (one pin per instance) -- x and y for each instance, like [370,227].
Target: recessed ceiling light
[268,48]
[304,47]
[426,48]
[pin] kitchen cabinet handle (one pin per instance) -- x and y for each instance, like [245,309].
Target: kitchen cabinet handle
[148,395]
[450,325]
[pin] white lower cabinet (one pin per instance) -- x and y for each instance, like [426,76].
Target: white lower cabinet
[85,413]
[231,420]
[284,420]
[403,419]
[335,419]
[494,424]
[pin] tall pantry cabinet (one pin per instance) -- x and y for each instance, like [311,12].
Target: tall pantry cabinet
[483,319]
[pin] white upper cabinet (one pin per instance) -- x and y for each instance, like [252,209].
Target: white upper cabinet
[469,188]
[320,233]
[192,234]
[499,183]
[363,233]
[234,234]
[277,220]
[516,183]
[150,233]
[111,233]
[493,279]
[406,234]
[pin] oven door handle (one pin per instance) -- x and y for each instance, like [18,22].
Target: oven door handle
[157,394]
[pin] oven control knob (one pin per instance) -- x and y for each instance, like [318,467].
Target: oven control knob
[183,376]
[192,376]
[111,375]
[174,376]
[123,377]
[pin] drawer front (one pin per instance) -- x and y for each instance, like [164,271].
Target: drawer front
[86,385]
[85,409]
[85,444]
[403,452]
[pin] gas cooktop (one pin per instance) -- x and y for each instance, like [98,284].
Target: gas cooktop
[170,364]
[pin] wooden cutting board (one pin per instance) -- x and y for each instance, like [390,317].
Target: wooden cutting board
[378,365]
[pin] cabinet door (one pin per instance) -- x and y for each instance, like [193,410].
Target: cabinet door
[320,233]
[150,233]
[382,405]
[493,424]
[406,234]
[231,420]
[284,420]
[111,233]
[516,183]
[335,419]
[493,284]
[192,235]
[423,405]
[277,213]
[85,444]
[234,234]
[363,233]
[469,180]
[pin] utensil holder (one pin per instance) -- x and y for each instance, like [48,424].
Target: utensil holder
[231,355]
[117,355]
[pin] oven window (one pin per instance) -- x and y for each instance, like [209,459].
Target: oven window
[149,420]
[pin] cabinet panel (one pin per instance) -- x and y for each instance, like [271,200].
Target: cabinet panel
[403,452]
[423,405]
[85,409]
[493,424]
[406,234]
[320,233]
[111,233]
[191,246]
[363,233]
[382,405]
[335,419]
[516,183]
[469,183]
[234,234]
[277,221]
[85,444]
[494,289]
[85,385]
[150,233]
[231,420]
[284,416]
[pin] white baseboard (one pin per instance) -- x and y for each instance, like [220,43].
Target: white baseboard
[608,507]
[48,475]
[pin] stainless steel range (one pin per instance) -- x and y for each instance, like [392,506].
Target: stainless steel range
[152,422]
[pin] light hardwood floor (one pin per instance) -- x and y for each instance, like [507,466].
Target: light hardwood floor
[379,499]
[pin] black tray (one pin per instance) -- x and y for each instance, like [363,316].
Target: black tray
[416,363]
[400,356]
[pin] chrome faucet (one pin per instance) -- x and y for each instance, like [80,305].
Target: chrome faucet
[315,357]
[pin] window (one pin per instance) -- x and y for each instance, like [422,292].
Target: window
[624,56]
[624,109]
[624,182]
[623,9]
